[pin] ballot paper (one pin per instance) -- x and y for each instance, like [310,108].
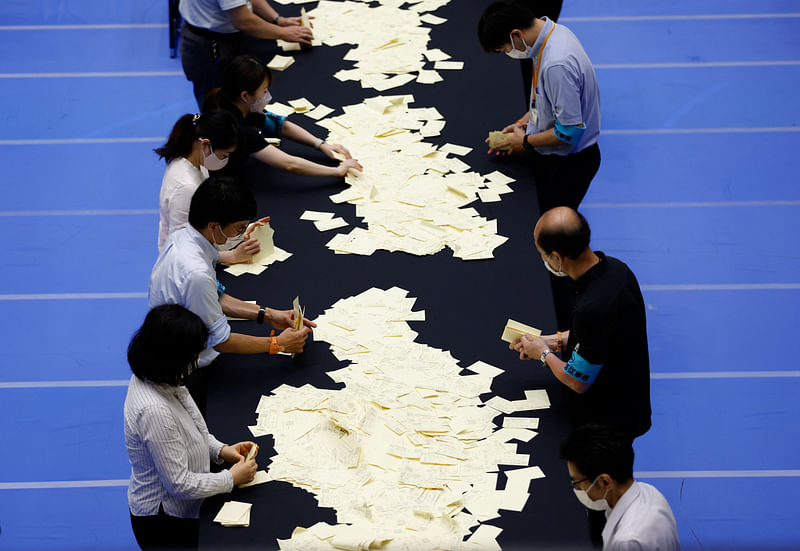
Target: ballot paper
[405,452]
[316,215]
[304,20]
[280,109]
[496,137]
[449,65]
[514,330]
[234,513]
[301,105]
[280,62]
[268,254]
[299,312]
[332,224]
[319,112]
[260,478]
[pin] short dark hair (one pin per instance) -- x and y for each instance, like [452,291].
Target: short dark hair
[567,239]
[218,126]
[221,199]
[596,449]
[166,345]
[498,20]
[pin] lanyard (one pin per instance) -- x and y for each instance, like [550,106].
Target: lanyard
[539,65]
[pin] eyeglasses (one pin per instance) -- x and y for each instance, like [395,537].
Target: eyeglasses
[574,483]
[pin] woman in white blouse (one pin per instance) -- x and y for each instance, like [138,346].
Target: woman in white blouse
[197,144]
[169,446]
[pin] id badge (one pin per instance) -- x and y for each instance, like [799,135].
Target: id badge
[533,117]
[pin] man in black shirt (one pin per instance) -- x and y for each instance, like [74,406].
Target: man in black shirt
[607,370]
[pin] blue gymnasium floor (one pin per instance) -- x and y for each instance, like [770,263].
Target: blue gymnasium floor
[696,193]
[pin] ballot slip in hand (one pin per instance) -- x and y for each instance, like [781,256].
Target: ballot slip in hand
[514,330]
[497,137]
[251,453]
[299,312]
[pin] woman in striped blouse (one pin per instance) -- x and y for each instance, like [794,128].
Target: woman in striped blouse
[169,446]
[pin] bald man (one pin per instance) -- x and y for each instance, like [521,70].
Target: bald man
[607,370]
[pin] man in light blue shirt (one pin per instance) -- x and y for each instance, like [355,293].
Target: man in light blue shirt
[558,134]
[184,274]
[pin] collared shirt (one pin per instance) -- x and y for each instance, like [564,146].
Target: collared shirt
[566,90]
[170,451]
[184,274]
[641,521]
[181,179]
[609,328]
[211,14]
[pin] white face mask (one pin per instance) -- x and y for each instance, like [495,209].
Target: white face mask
[517,54]
[230,242]
[212,162]
[260,104]
[589,503]
[552,271]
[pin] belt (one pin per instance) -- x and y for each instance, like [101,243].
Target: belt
[211,35]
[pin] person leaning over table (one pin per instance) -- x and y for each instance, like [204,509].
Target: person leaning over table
[210,36]
[184,273]
[197,143]
[558,134]
[245,94]
[600,464]
[168,443]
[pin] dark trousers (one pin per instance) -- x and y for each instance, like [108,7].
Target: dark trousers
[203,59]
[563,180]
[162,531]
[197,385]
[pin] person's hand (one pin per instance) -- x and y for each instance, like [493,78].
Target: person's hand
[532,347]
[514,126]
[345,166]
[243,471]
[293,340]
[296,33]
[254,225]
[513,142]
[330,149]
[245,251]
[237,452]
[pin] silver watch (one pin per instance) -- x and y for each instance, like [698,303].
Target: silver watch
[543,357]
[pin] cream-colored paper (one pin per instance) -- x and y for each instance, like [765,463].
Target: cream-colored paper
[280,62]
[514,330]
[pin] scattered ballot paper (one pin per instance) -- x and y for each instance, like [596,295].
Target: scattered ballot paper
[449,65]
[332,224]
[514,330]
[234,513]
[280,62]
[260,478]
[301,105]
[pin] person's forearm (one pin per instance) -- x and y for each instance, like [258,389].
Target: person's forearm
[264,10]
[297,165]
[556,366]
[255,26]
[235,308]
[545,138]
[239,343]
[298,134]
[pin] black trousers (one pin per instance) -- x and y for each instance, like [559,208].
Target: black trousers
[162,531]
[203,59]
[563,180]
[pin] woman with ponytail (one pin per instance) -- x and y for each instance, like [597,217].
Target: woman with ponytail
[197,144]
[245,94]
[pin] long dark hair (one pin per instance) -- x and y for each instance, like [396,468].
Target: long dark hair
[244,73]
[218,126]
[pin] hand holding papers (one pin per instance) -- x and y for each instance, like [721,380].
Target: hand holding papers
[515,330]
[497,139]
[268,254]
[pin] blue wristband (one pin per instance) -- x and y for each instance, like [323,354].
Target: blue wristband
[220,289]
[578,368]
[568,134]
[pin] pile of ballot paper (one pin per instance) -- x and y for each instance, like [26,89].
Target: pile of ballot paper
[234,513]
[268,254]
[406,452]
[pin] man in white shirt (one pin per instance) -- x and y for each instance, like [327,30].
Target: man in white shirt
[638,517]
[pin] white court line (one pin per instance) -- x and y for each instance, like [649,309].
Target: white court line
[113,74]
[697,64]
[722,287]
[78,141]
[726,375]
[682,17]
[723,130]
[83,27]
[689,204]
[64,484]
[71,296]
[778,473]
[117,212]
[64,384]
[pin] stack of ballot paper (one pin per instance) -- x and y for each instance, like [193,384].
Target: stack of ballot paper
[234,513]
[406,452]
[280,62]
[514,330]
[496,137]
[413,197]
[268,254]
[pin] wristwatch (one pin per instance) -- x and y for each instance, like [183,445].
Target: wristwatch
[527,145]
[275,19]
[543,357]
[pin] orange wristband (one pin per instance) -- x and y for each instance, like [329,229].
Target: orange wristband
[560,341]
[274,347]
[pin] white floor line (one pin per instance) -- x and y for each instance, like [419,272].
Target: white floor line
[722,130]
[65,384]
[83,27]
[113,74]
[72,141]
[723,287]
[71,296]
[777,473]
[726,375]
[681,17]
[64,484]
[688,204]
[697,64]
[107,212]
